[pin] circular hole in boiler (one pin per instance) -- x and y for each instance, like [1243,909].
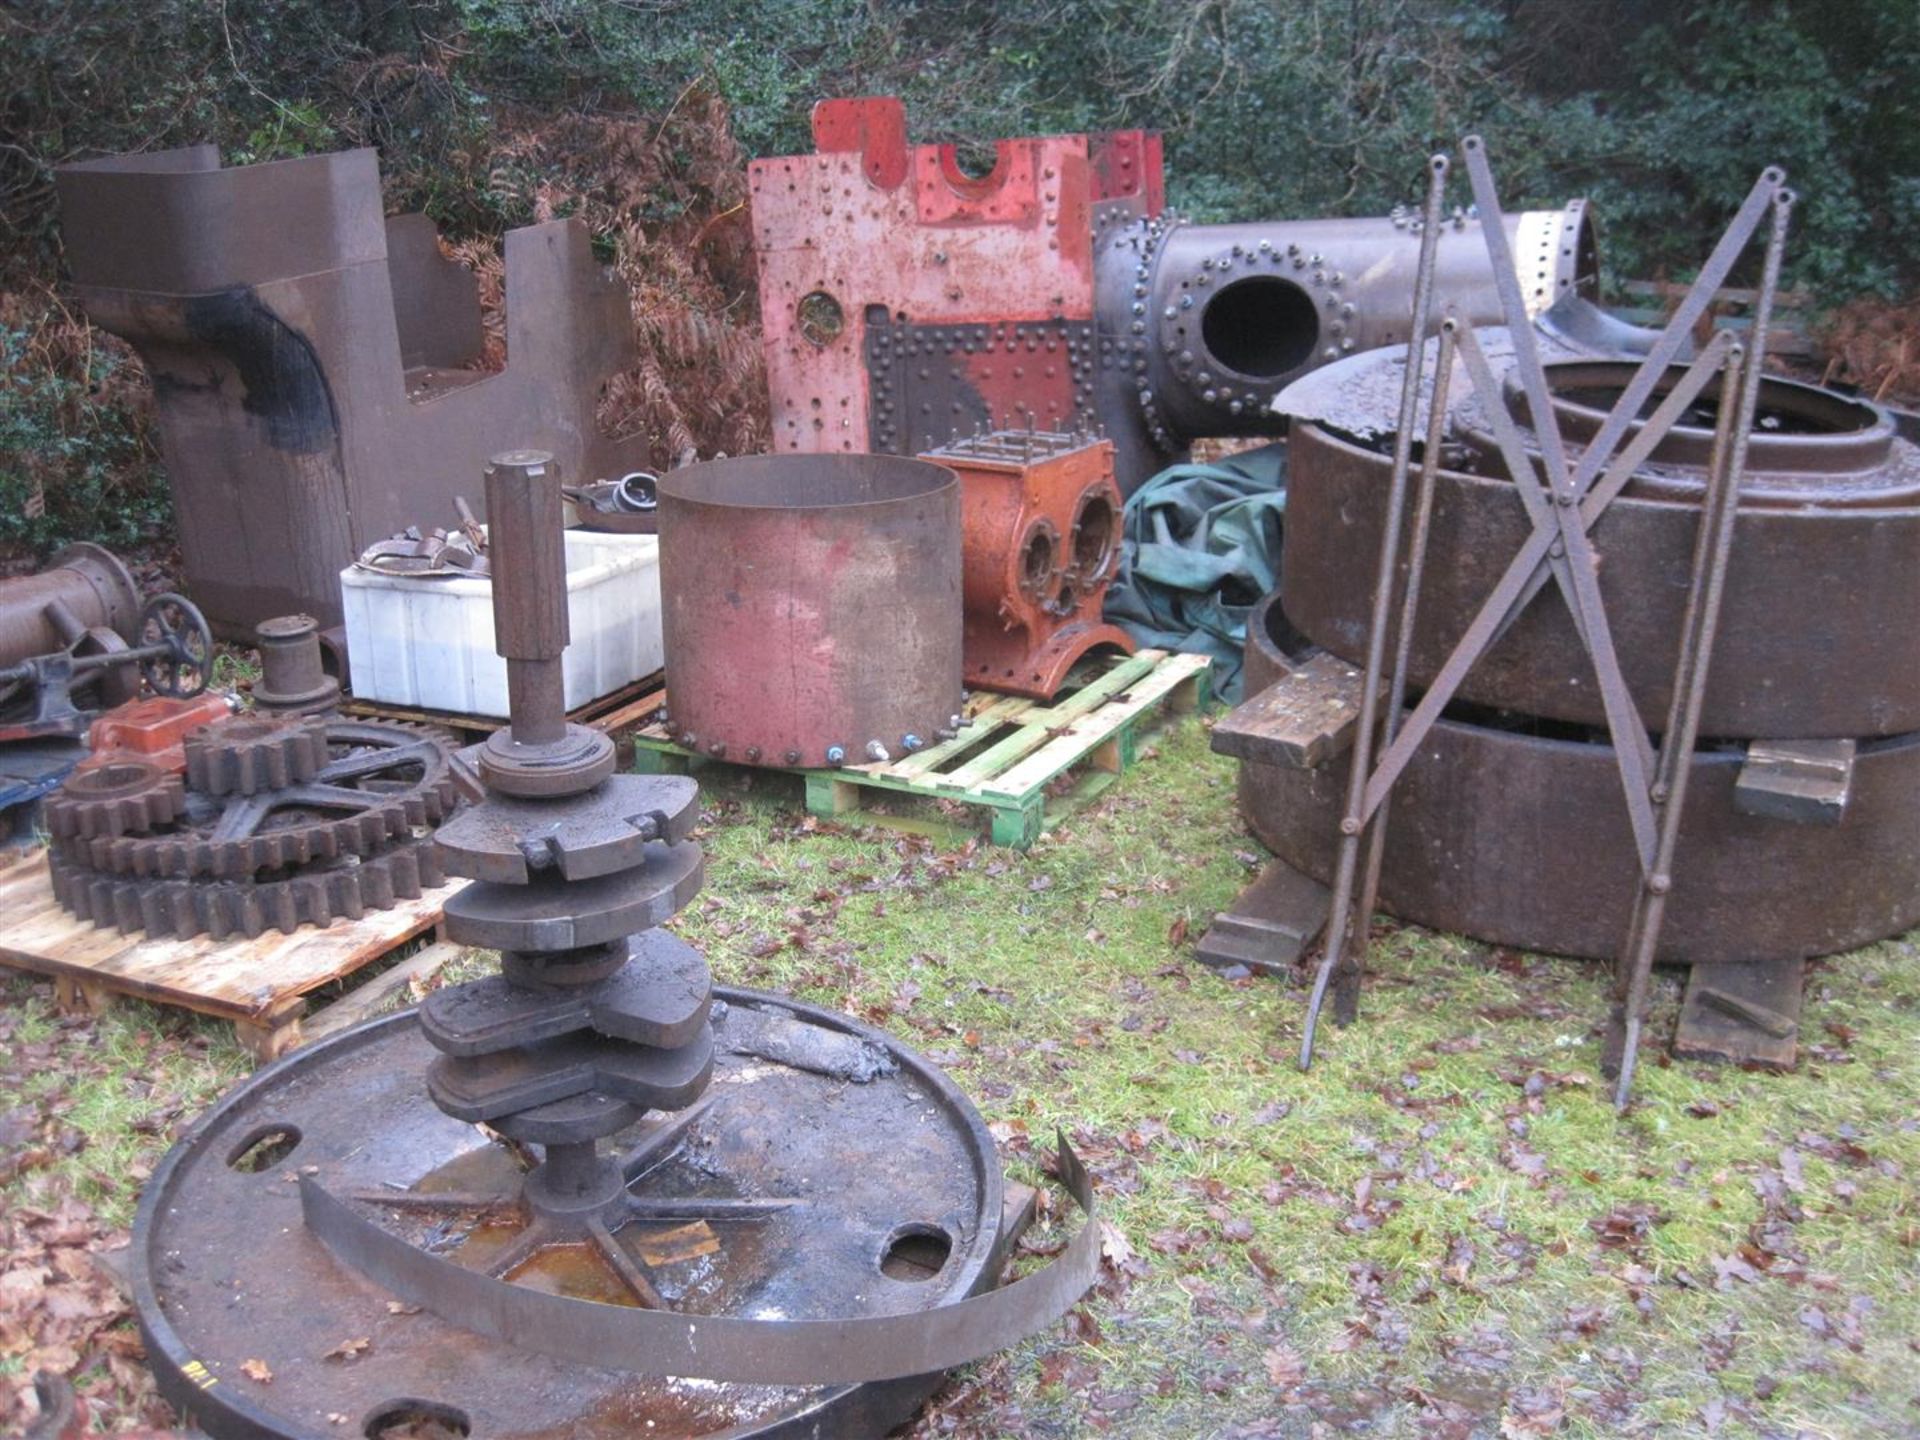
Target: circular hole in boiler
[417,1420]
[263,1148]
[1036,561]
[819,318]
[1093,531]
[975,159]
[1260,327]
[916,1252]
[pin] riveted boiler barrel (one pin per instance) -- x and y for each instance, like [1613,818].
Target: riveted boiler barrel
[812,607]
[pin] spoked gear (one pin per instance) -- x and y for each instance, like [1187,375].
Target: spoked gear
[315,895]
[112,800]
[247,756]
[380,780]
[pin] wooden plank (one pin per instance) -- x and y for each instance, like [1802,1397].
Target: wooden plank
[1000,710]
[1743,1014]
[371,997]
[631,713]
[1269,923]
[1087,731]
[1041,724]
[237,979]
[1302,720]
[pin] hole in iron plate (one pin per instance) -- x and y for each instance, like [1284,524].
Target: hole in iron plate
[417,1420]
[916,1252]
[264,1148]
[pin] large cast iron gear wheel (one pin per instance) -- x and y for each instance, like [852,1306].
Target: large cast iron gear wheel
[127,796]
[314,895]
[247,756]
[381,780]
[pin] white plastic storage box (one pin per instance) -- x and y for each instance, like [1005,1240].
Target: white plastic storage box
[415,640]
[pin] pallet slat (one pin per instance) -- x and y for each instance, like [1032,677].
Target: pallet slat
[256,984]
[1007,759]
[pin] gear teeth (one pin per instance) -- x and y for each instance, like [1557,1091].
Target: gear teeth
[180,909]
[289,833]
[250,756]
[114,799]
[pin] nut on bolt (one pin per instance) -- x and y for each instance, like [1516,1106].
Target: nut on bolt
[911,743]
[836,754]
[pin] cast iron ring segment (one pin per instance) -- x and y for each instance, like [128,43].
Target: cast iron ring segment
[804,1216]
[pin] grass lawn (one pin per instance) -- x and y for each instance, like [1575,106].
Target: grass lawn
[1443,1229]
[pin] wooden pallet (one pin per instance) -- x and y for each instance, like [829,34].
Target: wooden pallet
[610,714]
[1006,761]
[259,985]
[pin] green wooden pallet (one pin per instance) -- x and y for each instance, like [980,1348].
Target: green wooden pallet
[1008,758]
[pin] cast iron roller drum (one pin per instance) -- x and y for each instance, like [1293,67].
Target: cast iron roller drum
[812,607]
[1521,839]
[1815,637]
[795,1258]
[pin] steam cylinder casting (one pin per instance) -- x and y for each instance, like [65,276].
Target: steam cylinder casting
[812,607]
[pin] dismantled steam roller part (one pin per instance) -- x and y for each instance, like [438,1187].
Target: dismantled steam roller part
[1041,520]
[76,639]
[1721,546]
[278,823]
[812,607]
[905,303]
[590,1194]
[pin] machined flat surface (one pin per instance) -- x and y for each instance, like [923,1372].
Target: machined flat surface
[220,1249]
[660,997]
[555,914]
[509,840]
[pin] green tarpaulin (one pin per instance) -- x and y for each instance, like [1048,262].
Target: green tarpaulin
[1200,546]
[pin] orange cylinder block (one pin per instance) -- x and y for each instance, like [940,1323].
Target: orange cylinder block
[1040,520]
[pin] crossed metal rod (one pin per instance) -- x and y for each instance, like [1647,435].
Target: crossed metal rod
[1562,508]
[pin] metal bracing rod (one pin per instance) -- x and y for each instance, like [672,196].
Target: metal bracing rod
[1341,918]
[1634,969]
[1346,985]
[1711,556]
[1529,568]
[1631,750]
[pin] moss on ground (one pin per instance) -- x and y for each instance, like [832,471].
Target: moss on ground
[1443,1229]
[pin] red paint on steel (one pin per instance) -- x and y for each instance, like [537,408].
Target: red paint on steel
[811,602]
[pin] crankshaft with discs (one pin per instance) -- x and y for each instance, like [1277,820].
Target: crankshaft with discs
[590,1194]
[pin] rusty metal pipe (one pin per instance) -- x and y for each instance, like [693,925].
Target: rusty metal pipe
[84,584]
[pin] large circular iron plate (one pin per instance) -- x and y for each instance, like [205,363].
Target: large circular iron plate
[254,1329]
[1522,839]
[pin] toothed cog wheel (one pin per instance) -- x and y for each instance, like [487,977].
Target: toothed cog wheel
[377,782]
[128,796]
[313,895]
[247,756]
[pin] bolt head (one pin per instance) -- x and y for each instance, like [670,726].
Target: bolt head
[836,754]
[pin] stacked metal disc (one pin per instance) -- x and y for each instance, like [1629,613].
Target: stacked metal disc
[595,1016]
[277,823]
